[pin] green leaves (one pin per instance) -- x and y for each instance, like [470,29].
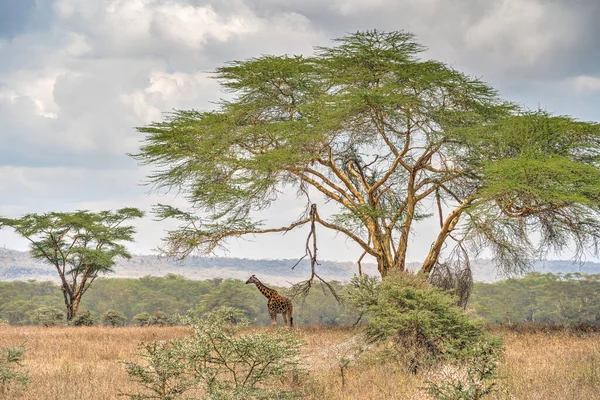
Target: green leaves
[47,316]
[163,373]
[544,299]
[219,360]
[11,368]
[539,186]
[421,322]
[78,240]
[81,245]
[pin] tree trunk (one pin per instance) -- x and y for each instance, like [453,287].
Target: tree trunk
[383,266]
[70,312]
[385,260]
[73,308]
[400,259]
[67,296]
[71,304]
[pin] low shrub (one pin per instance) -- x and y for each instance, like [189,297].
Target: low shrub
[47,316]
[11,368]
[219,360]
[421,321]
[84,318]
[114,318]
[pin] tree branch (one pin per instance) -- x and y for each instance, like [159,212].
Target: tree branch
[348,233]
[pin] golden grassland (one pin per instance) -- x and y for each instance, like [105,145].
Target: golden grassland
[71,363]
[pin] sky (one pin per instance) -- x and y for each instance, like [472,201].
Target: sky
[77,77]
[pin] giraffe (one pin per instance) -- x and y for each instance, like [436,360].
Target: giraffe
[277,304]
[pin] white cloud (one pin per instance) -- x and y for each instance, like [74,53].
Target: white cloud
[130,28]
[194,25]
[37,85]
[584,83]
[518,33]
[164,89]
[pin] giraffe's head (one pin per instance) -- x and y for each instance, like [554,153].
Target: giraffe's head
[252,279]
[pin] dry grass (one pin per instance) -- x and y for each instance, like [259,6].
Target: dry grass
[541,366]
[83,363]
[71,363]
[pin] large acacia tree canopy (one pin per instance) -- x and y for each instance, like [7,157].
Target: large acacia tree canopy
[387,136]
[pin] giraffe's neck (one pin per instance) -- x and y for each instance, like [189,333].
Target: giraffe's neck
[267,292]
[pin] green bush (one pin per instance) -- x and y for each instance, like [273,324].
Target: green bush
[417,315]
[11,368]
[474,378]
[236,364]
[84,318]
[219,360]
[159,318]
[165,372]
[362,294]
[114,318]
[416,323]
[142,319]
[47,316]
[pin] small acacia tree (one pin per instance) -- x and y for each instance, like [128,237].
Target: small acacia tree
[387,137]
[47,316]
[142,319]
[81,245]
[85,318]
[114,318]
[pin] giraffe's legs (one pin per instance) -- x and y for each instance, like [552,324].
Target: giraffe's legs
[289,312]
[273,318]
[285,317]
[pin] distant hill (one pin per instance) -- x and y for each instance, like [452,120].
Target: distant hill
[18,265]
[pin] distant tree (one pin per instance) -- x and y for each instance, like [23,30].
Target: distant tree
[114,318]
[320,307]
[159,318]
[47,316]
[235,294]
[142,319]
[84,318]
[18,312]
[81,245]
[391,140]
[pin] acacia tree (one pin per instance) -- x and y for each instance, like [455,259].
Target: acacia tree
[387,137]
[81,245]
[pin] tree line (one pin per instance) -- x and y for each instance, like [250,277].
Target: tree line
[169,295]
[572,298]
[537,298]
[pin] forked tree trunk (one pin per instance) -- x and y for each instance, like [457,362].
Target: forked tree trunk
[71,302]
[74,307]
[70,312]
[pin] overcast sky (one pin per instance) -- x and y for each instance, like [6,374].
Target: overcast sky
[76,77]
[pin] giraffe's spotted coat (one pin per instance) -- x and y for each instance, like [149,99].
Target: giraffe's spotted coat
[277,303]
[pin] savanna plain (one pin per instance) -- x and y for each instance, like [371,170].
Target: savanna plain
[71,363]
